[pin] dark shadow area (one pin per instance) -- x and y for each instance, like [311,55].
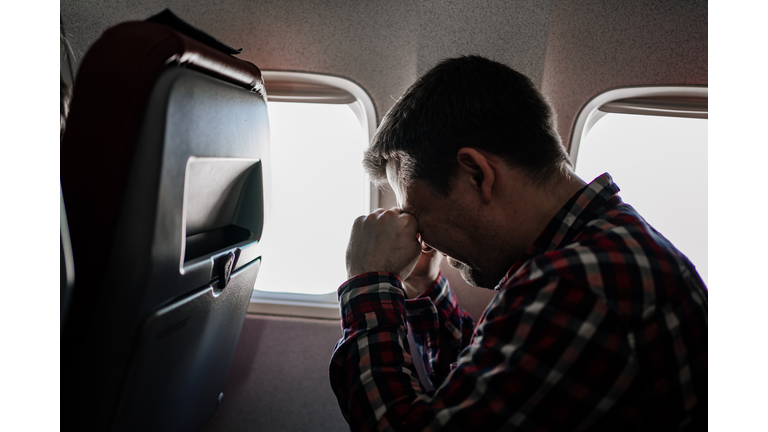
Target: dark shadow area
[279,378]
[471,299]
[209,242]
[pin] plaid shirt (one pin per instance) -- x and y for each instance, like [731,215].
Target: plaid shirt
[603,326]
[440,329]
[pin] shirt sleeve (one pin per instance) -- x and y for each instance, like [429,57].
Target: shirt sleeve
[548,355]
[439,327]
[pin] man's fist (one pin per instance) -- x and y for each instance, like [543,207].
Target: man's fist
[383,241]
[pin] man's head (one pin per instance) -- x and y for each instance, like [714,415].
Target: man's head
[465,149]
[467,102]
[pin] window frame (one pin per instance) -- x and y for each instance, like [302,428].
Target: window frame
[671,101]
[289,86]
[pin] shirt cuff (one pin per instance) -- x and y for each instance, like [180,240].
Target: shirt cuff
[422,310]
[370,299]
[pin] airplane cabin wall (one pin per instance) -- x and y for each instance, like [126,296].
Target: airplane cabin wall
[598,45]
[382,46]
[278,380]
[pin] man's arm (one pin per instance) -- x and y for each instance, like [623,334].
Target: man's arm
[439,328]
[548,353]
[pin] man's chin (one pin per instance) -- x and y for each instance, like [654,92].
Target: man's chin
[470,274]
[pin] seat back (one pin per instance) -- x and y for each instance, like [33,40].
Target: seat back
[163,166]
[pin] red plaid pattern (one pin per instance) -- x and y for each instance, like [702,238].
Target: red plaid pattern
[439,327]
[603,326]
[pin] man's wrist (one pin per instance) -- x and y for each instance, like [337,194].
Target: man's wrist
[418,286]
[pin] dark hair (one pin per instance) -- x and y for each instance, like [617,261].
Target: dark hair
[468,101]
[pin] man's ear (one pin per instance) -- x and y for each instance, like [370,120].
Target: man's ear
[477,169]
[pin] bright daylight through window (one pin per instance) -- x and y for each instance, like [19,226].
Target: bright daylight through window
[318,189]
[660,165]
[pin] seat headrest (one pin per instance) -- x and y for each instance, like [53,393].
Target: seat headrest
[155,43]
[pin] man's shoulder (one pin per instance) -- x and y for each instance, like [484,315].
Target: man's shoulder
[619,257]
[620,239]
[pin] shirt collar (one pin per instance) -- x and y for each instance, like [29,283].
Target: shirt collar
[588,202]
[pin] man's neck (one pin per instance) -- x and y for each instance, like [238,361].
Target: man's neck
[535,207]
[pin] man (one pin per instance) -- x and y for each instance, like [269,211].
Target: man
[599,322]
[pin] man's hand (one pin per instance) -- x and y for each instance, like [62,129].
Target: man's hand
[424,274]
[383,241]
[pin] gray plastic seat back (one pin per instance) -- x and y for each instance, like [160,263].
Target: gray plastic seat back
[163,287]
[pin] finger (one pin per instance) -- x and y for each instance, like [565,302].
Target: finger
[358,222]
[382,216]
[410,221]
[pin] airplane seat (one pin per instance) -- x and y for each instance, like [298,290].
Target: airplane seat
[163,165]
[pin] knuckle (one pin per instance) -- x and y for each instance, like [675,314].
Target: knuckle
[407,219]
[385,215]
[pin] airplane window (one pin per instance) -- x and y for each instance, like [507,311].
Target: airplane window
[660,165]
[318,188]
